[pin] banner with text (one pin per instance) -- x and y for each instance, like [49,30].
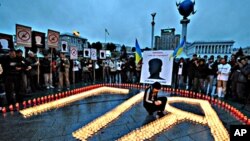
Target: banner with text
[157,66]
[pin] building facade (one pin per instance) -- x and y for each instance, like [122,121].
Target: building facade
[73,40]
[246,50]
[208,48]
[168,39]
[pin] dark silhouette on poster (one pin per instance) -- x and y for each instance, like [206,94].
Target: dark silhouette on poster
[86,53]
[155,66]
[64,47]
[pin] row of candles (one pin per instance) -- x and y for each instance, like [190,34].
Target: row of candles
[153,128]
[70,99]
[218,130]
[93,127]
[176,116]
[46,99]
[41,100]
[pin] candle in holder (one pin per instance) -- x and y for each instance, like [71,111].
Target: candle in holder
[38,100]
[29,102]
[24,104]
[3,110]
[42,100]
[11,107]
[34,101]
[17,106]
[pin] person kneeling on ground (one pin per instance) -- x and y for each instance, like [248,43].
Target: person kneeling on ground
[151,102]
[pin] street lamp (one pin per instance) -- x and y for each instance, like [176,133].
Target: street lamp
[153,24]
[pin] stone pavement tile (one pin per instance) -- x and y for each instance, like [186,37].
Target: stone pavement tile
[202,136]
[186,138]
[176,131]
[159,138]
[44,133]
[191,127]
[69,129]
[111,133]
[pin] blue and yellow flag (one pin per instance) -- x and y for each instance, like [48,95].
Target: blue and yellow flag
[178,50]
[138,55]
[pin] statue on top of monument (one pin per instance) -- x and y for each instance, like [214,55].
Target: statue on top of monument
[185,8]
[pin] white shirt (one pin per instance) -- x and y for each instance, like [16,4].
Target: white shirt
[224,72]
[118,65]
[180,69]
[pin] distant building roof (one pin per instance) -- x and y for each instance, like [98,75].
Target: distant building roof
[71,35]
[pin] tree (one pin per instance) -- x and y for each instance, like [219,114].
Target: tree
[239,53]
[111,47]
[123,52]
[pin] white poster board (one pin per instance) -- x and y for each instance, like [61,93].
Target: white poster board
[73,53]
[93,54]
[86,53]
[157,66]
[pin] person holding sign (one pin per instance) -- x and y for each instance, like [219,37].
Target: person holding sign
[63,65]
[151,102]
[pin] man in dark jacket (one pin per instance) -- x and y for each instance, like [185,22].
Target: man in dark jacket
[11,73]
[153,103]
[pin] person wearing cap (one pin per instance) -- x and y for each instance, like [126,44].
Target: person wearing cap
[152,102]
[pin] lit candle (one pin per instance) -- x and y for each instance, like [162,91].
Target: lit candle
[11,107]
[29,102]
[24,104]
[34,102]
[17,106]
[38,100]
[3,110]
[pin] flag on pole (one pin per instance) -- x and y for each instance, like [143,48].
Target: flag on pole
[106,31]
[138,55]
[178,50]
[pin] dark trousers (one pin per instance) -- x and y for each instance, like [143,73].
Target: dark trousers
[12,85]
[152,107]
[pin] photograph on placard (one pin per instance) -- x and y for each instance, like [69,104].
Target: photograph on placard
[86,53]
[64,46]
[157,66]
[102,54]
[6,41]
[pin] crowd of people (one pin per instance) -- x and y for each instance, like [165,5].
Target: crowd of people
[21,76]
[216,77]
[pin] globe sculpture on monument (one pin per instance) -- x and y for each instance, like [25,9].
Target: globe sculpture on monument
[185,8]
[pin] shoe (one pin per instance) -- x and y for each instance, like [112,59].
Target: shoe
[52,87]
[47,87]
[160,114]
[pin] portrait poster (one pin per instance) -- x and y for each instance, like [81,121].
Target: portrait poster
[93,54]
[157,66]
[6,41]
[23,35]
[53,38]
[38,39]
[86,53]
[102,54]
[64,46]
